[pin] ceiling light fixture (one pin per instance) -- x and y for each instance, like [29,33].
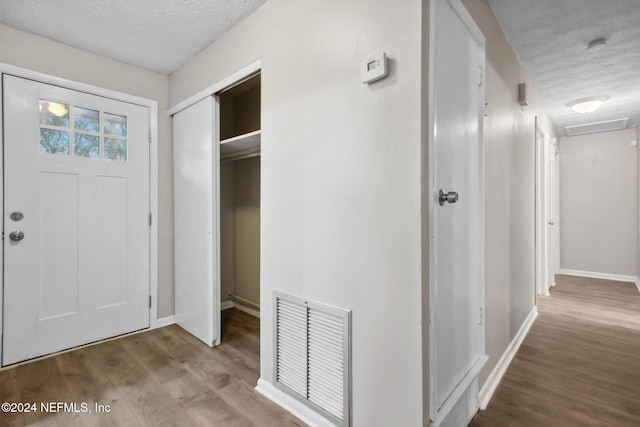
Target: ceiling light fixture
[587,105]
[597,44]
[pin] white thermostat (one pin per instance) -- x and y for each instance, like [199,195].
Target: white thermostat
[374,67]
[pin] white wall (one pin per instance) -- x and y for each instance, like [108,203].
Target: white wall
[340,202]
[509,132]
[39,54]
[599,203]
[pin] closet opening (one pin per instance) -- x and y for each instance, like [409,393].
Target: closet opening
[239,136]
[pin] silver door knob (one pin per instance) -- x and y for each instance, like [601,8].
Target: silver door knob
[450,197]
[16,236]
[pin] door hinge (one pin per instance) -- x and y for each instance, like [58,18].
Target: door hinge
[481,313]
[150,220]
[149,301]
[149,137]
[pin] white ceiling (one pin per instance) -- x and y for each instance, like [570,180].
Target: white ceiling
[158,35]
[550,38]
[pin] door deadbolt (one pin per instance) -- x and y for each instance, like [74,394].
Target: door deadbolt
[16,236]
[16,216]
[450,197]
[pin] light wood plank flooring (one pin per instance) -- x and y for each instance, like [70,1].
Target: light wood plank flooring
[580,363]
[163,377]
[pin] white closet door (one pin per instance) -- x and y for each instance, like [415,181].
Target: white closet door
[456,298]
[196,238]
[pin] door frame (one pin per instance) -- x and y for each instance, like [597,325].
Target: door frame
[432,206]
[546,193]
[153,171]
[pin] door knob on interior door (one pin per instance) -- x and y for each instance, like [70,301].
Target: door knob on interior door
[16,236]
[450,197]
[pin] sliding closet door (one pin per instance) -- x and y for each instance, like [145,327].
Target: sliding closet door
[196,238]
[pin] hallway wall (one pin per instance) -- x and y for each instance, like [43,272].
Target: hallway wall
[509,150]
[599,203]
[340,180]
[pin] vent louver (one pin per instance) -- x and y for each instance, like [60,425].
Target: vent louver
[596,127]
[312,355]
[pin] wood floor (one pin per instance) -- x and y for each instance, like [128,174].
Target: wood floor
[163,377]
[579,364]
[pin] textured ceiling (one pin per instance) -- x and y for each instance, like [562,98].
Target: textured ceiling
[550,38]
[158,35]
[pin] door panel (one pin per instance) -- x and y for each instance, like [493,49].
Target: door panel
[77,168]
[196,241]
[456,227]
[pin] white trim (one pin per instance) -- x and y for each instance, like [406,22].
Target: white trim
[637,282]
[165,321]
[458,392]
[153,168]
[217,87]
[596,275]
[490,385]
[225,305]
[251,311]
[302,412]
[81,87]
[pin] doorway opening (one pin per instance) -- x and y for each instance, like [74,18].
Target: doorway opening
[239,136]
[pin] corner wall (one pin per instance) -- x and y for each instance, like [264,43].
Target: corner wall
[509,132]
[341,170]
[36,53]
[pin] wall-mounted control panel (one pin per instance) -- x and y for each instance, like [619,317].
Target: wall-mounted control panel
[374,67]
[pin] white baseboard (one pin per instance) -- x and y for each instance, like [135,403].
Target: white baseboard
[637,281]
[495,376]
[230,304]
[166,321]
[595,275]
[248,310]
[280,398]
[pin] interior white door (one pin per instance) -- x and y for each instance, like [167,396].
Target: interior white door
[196,198]
[76,218]
[456,216]
[549,212]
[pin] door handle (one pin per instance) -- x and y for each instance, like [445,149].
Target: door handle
[450,197]
[16,236]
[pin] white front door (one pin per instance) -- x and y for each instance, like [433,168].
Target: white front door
[456,212]
[76,218]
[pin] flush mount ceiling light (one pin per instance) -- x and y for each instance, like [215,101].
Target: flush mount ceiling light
[587,105]
[596,44]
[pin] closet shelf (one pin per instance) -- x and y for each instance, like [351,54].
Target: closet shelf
[241,145]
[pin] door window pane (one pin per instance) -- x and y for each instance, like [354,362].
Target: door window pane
[86,120]
[53,114]
[115,149]
[87,146]
[54,142]
[115,125]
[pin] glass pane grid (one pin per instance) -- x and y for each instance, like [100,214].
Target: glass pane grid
[82,132]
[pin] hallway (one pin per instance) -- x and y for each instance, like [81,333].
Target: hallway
[580,363]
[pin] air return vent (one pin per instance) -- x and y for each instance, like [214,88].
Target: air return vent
[312,355]
[607,126]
